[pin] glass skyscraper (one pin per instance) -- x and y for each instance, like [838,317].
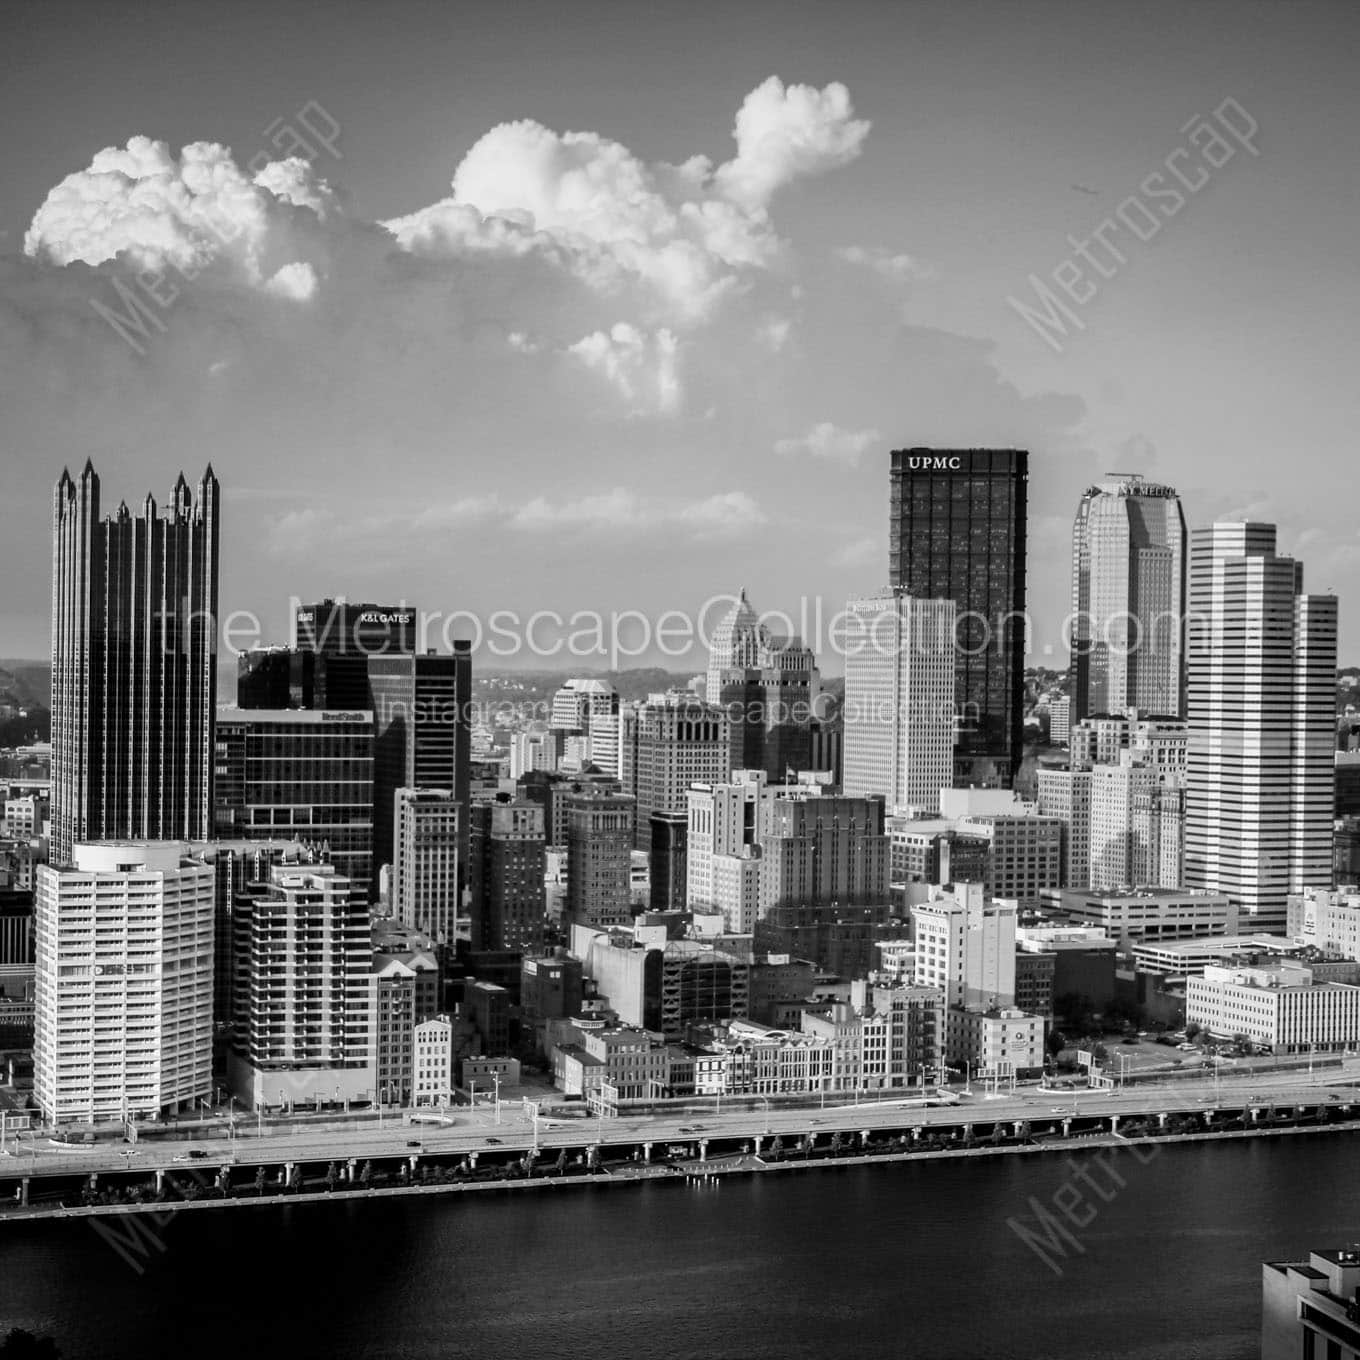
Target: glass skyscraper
[134,665]
[1128,599]
[957,532]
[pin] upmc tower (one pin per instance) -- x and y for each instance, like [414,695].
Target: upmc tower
[957,532]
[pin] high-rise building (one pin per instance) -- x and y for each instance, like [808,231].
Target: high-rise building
[1136,814]
[667,861]
[681,740]
[298,775]
[768,686]
[957,532]
[824,851]
[342,637]
[425,865]
[1261,708]
[277,677]
[1128,598]
[134,665]
[1308,1307]
[599,859]
[302,1025]
[124,982]
[422,735]
[1066,795]
[899,699]
[506,876]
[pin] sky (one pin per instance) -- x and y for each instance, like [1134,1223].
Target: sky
[603,308]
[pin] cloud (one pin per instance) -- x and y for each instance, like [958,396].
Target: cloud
[830,442]
[785,133]
[688,235]
[140,204]
[642,368]
[901,269]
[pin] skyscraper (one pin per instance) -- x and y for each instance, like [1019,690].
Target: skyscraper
[425,865]
[422,735]
[124,982]
[341,637]
[298,774]
[1128,598]
[599,859]
[957,532]
[899,717]
[1260,702]
[768,686]
[680,740]
[134,665]
[506,875]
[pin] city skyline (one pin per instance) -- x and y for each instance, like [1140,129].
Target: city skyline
[491,406]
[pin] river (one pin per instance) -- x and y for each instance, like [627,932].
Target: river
[905,1260]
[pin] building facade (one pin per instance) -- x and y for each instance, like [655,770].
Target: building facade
[956,531]
[297,775]
[123,999]
[899,715]
[1261,703]
[134,665]
[1128,598]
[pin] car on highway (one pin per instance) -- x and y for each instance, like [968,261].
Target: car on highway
[193,1155]
[415,1143]
[495,1141]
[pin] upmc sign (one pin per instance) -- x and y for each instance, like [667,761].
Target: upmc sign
[937,462]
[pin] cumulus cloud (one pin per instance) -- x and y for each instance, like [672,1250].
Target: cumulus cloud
[642,368]
[784,133]
[896,268]
[830,442]
[689,235]
[141,204]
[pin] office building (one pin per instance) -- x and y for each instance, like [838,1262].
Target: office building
[680,740]
[667,861]
[965,946]
[340,637]
[599,859]
[1327,919]
[425,866]
[302,1024]
[899,717]
[768,686]
[1308,1308]
[134,665]
[434,1074]
[277,677]
[506,876]
[841,940]
[824,851]
[1277,1004]
[956,531]
[298,775]
[1135,825]
[1066,795]
[123,983]
[1128,598]
[1060,721]
[1261,703]
[422,735]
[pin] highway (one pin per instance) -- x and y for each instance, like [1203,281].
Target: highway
[475,1131]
